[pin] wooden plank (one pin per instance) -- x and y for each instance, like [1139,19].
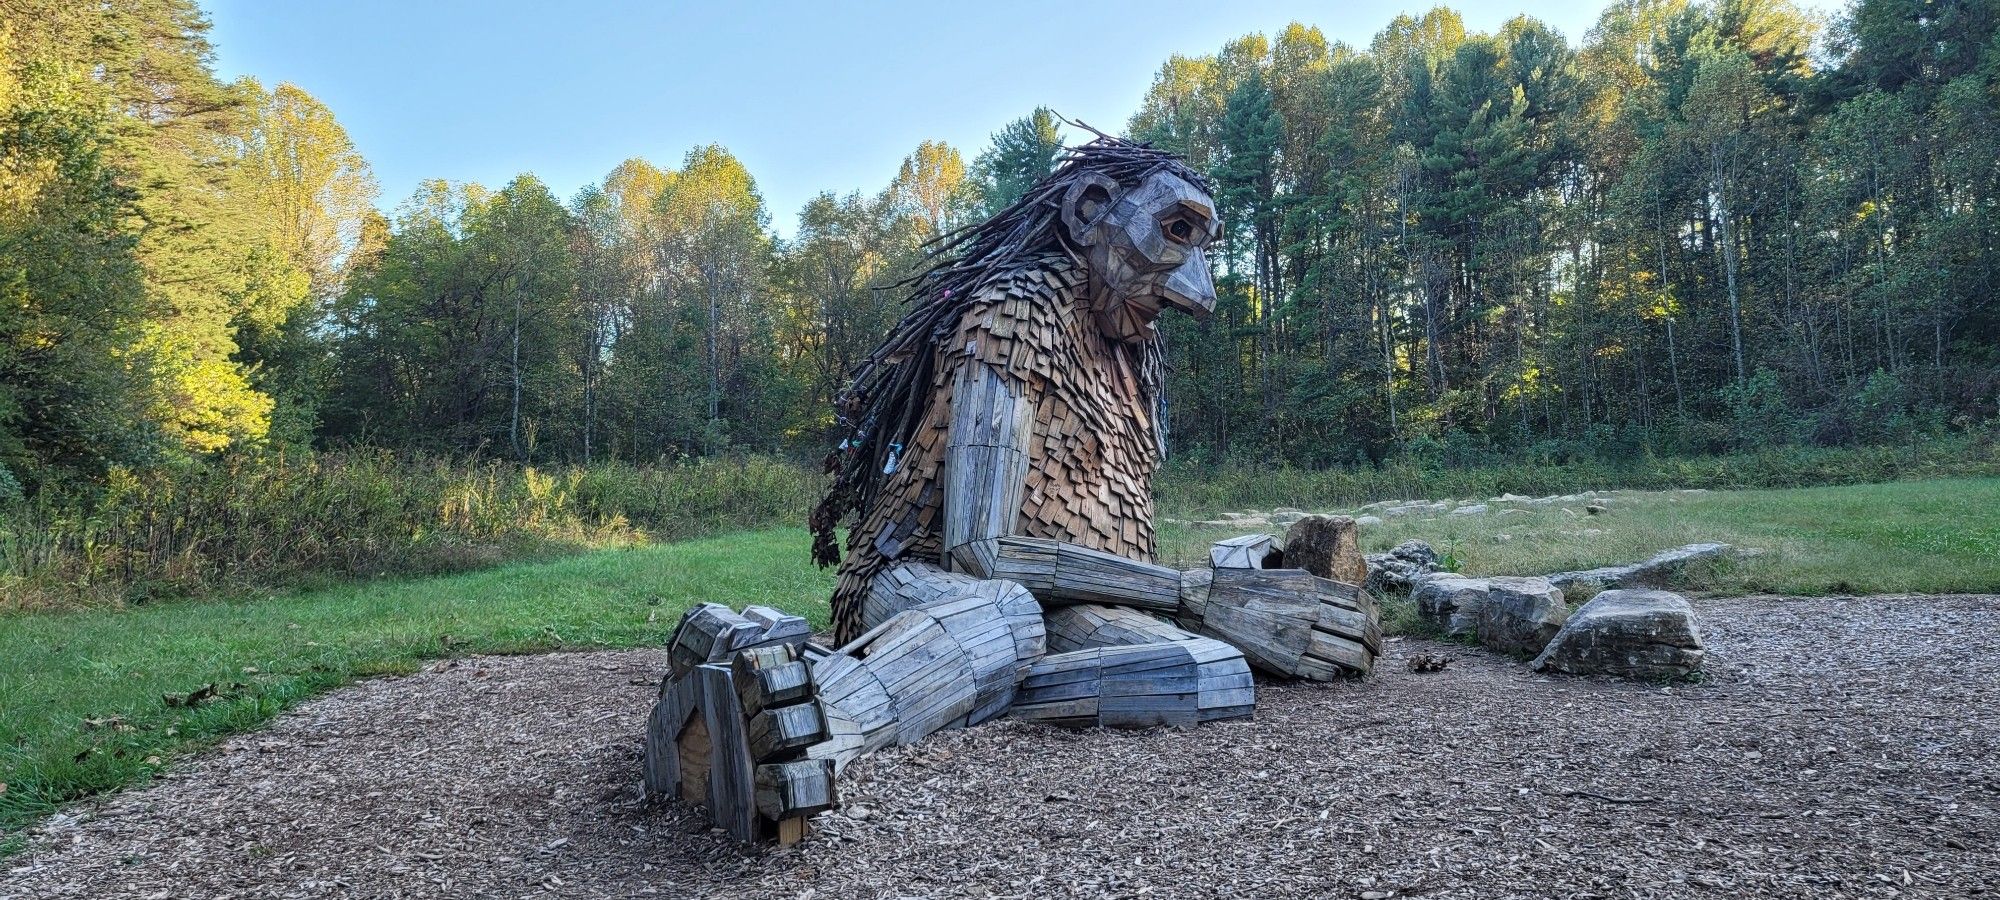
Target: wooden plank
[1277,617]
[732,800]
[678,705]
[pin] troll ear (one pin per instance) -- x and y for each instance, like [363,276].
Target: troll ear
[1086,204]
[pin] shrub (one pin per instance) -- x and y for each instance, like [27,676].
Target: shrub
[244,522]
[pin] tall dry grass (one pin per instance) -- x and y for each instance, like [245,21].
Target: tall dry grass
[285,521]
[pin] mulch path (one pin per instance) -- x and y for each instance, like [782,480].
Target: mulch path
[1845,747]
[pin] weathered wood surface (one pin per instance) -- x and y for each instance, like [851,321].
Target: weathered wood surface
[794,789]
[732,801]
[949,663]
[780,730]
[710,632]
[678,704]
[1250,551]
[986,456]
[908,586]
[1058,572]
[770,676]
[859,716]
[1138,686]
[1083,626]
[718,724]
[1290,622]
[1066,420]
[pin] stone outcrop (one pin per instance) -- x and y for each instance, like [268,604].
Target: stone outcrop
[1451,602]
[1520,615]
[1653,572]
[1398,570]
[1644,634]
[1327,546]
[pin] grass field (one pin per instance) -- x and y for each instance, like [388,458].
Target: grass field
[82,705]
[1935,536]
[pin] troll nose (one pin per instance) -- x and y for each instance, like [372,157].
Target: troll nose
[1190,288]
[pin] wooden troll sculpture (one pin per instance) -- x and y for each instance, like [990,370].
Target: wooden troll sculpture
[998,472]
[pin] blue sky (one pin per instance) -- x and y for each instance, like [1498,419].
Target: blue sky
[811,96]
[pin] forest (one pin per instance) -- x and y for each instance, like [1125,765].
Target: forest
[1698,228]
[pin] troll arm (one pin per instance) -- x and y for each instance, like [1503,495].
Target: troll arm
[985,473]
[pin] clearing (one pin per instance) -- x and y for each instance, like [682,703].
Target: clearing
[84,697]
[1839,748]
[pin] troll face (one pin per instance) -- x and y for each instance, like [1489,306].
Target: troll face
[1147,248]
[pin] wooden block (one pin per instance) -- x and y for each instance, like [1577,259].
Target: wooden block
[794,789]
[776,732]
[706,632]
[759,688]
[676,709]
[695,751]
[660,761]
[778,627]
[1083,626]
[1289,622]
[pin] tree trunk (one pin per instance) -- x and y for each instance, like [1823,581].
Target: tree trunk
[1726,233]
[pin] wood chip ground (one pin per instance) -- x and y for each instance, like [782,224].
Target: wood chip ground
[1839,748]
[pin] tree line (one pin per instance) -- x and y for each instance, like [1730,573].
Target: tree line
[1705,226]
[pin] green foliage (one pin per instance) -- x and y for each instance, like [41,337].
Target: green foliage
[71,290]
[1499,239]
[1021,153]
[198,216]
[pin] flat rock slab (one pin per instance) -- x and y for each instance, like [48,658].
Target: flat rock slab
[1629,633]
[1655,571]
[1836,748]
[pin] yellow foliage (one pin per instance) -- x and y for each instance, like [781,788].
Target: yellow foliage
[202,400]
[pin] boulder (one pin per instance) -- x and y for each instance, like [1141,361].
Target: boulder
[1450,602]
[1477,509]
[1396,571]
[1327,546]
[1655,571]
[1520,615]
[1646,634]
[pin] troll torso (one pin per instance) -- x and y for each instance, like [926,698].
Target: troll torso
[1094,441]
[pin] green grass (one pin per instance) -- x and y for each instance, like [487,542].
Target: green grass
[1905,537]
[1183,486]
[81,707]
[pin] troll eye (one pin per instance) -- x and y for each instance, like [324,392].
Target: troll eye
[1179,230]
